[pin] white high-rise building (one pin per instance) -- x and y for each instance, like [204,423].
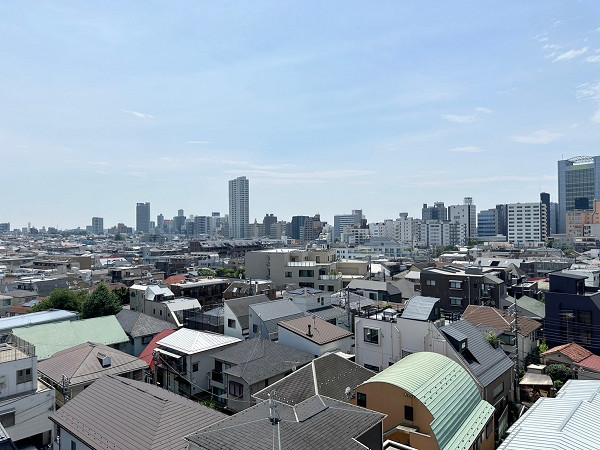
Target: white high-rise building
[465,214]
[526,223]
[239,201]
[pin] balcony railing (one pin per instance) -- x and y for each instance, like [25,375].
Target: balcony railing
[330,277]
[301,264]
[217,377]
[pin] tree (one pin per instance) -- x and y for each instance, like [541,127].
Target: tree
[206,272]
[62,299]
[101,302]
[122,294]
[493,339]
[543,347]
[559,372]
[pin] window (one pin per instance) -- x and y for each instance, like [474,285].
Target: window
[288,274]
[373,368]
[408,413]
[73,445]
[236,389]
[498,390]
[195,367]
[161,312]
[23,376]
[455,301]
[6,302]
[371,335]
[321,287]
[584,317]
[361,399]
[231,323]
[330,288]
[254,328]
[455,285]
[430,282]
[146,339]
[405,353]
[489,428]
[7,419]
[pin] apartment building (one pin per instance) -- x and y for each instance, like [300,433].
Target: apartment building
[526,223]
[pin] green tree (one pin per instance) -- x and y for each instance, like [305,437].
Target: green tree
[123,295]
[62,299]
[206,272]
[101,302]
[559,372]
[543,347]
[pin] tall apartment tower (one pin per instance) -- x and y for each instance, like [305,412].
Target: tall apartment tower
[97,225]
[239,202]
[436,212]
[578,186]
[465,214]
[346,220]
[526,223]
[142,217]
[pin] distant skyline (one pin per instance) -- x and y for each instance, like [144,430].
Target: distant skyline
[324,107]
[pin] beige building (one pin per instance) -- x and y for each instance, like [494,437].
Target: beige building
[318,269]
[578,219]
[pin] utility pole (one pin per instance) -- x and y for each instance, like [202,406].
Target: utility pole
[517,393]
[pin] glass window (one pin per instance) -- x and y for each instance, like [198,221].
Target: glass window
[195,367]
[584,317]
[23,376]
[361,399]
[254,328]
[371,335]
[8,419]
[430,282]
[454,301]
[230,323]
[236,389]
[455,285]
[408,413]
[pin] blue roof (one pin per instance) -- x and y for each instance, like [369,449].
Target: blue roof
[55,315]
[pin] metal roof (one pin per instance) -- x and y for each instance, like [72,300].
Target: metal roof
[50,338]
[531,305]
[138,324]
[279,309]
[565,422]
[321,332]
[419,307]
[459,414]
[121,414]
[55,315]
[190,342]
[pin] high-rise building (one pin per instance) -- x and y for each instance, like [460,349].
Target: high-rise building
[526,223]
[239,205]
[436,212]
[97,225]
[142,217]
[160,223]
[346,220]
[269,220]
[578,186]
[465,214]
[545,199]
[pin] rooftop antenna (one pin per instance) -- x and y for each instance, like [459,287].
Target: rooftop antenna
[273,415]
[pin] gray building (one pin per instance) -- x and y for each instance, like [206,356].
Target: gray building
[436,212]
[97,225]
[142,217]
[239,201]
[346,220]
[578,185]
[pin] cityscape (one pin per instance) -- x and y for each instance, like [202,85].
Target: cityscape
[300,225]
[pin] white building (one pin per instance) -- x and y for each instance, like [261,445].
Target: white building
[97,225]
[526,223]
[465,214]
[239,201]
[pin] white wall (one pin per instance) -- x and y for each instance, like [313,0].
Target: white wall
[65,441]
[228,315]
[290,339]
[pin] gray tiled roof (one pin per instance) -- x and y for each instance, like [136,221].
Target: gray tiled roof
[275,310]
[321,332]
[317,423]
[419,307]
[81,364]
[490,362]
[121,414]
[333,375]
[137,324]
[239,307]
[256,360]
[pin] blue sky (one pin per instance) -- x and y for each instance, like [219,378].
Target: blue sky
[325,106]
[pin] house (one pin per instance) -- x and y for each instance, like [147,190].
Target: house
[330,375]
[264,317]
[319,303]
[20,309]
[25,401]
[236,315]
[208,291]
[383,291]
[314,336]
[566,421]
[185,360]
[149,356]
[51,338]
[248,287]
[582,361]
[140,294]
[72,370]
[526,307]
[122,414]
[502,325]
[317,423]
[160,302]
[249,366]
[37,318]
[572,313]
[141,329]
[430,401]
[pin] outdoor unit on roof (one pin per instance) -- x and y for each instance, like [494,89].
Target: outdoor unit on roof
[105,360]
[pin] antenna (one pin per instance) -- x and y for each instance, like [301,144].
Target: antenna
[273,415]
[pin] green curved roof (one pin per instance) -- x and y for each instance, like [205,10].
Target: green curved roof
[447,391]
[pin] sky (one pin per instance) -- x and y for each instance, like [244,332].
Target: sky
[325,106]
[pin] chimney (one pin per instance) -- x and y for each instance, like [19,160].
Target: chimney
[309,334]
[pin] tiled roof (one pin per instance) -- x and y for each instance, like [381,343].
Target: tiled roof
[121,414]
[189,341]
[317,423]
[531,305]
[175,279]
[592,362]
[459,413]
[499,320]
[81,364]
[489,363]
[330,374]
[50,338]
[137,324]
[419,307]
[322,332]
[147,354]
[256,360]
[239,307]
[572,350]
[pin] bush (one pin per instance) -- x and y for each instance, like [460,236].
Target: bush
[493,340]
[559,372]
[558,384]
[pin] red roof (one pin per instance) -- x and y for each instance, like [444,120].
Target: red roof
[175,279]
[591,362]
[147,354]
[574,351]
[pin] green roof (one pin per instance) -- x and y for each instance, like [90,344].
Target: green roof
[530,304]
[447,391]
[50,338]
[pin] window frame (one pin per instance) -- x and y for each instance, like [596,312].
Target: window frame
[361,399]
[370,340]
[409,413]
[233,387]
[24,376]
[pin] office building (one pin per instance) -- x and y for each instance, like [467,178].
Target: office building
[269,220]
[465,214]
[436,212]
[346,220]
[526,223]
[97,225]
[239,202]
[160,222]
[578,185]
[142,217]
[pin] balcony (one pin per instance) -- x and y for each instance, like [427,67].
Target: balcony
[330,277]
[301,264]
[216,377]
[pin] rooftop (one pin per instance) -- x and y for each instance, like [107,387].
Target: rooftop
[321,332]
[137,324]
[190,342]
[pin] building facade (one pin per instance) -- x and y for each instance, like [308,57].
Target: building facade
[239,201]
[578,185]
[142,217]
[526,223]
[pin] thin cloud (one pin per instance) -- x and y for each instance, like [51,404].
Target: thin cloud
[590,91]
[199,142]
[470,149]
[484,110]
[539,137]
[138,174]
[139,115]
[458,119]
[570,54]
[445,182]
[596,117]
[593,59]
